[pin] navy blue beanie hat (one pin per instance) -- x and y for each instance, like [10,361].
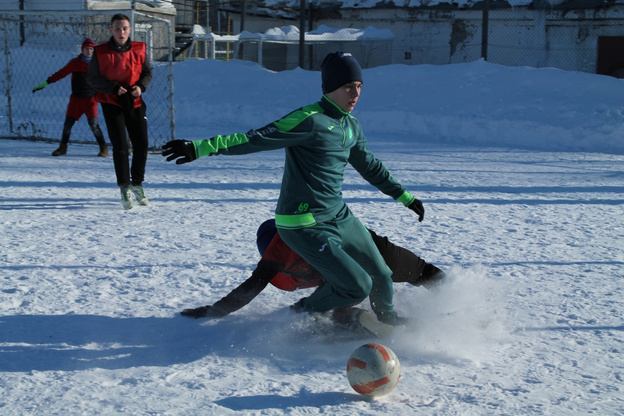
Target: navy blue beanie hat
[339,68]
[265,234]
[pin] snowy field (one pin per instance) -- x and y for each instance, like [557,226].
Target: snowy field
[521,172]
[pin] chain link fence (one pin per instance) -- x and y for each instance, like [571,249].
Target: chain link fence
[36,45]
[578,37]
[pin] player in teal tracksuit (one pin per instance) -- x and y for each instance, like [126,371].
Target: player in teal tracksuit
[311,217]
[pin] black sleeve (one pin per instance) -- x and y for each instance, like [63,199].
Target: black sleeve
[146,75]
[405,265]
[97,80]
[247,291]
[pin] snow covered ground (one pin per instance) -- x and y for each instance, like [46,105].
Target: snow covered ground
[521,172]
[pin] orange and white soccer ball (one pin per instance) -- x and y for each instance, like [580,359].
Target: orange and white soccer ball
[373,370]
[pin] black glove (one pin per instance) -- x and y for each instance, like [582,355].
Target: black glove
[201,312]
[418,208]
[182,149]
[127,102]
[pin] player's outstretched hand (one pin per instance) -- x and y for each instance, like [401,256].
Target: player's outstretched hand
[201,312]
[418,208]
[40,86]
[182,150]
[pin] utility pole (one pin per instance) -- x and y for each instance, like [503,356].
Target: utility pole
[242,28]
[302,30]
[21,26]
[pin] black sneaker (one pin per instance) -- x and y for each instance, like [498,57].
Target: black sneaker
[298,307]
[431,277]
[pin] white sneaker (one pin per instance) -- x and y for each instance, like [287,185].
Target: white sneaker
[368,321]
[358,320]
[126,198]
[139,194]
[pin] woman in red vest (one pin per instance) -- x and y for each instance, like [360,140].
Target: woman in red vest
[120,72]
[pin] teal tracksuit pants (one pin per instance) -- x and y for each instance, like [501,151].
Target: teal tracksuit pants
[343,251]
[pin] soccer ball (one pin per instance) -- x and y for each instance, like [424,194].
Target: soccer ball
[373,370]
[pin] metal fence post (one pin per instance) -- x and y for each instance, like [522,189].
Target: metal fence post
[7,70]
[302,30]
[485,29]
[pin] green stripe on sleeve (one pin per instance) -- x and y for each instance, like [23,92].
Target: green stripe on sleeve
[406,198]
[296,117]
[217,143]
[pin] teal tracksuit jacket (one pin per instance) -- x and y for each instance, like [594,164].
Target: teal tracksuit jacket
[319,140]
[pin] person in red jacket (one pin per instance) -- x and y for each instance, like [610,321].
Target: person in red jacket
[286,270]
[82,98]
[120,73]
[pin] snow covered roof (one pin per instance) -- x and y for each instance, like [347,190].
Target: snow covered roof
[165,7]
[290,33]
[116,4]
[325,33]
[80,4]
[371,4]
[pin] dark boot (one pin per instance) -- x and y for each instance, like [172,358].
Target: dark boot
[60,151]
[103,151]
[67,127]
[99,136]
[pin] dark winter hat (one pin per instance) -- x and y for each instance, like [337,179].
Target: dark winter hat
[265,234]
[339,68]
[87,42]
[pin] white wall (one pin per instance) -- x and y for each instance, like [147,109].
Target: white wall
[517,36]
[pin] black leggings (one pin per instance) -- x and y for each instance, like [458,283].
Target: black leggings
[93,125]
[134,121]
[405,265]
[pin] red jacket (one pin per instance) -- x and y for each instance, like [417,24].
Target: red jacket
[295,273]
[77,67]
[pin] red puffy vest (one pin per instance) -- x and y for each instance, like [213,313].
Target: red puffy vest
[121,67]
